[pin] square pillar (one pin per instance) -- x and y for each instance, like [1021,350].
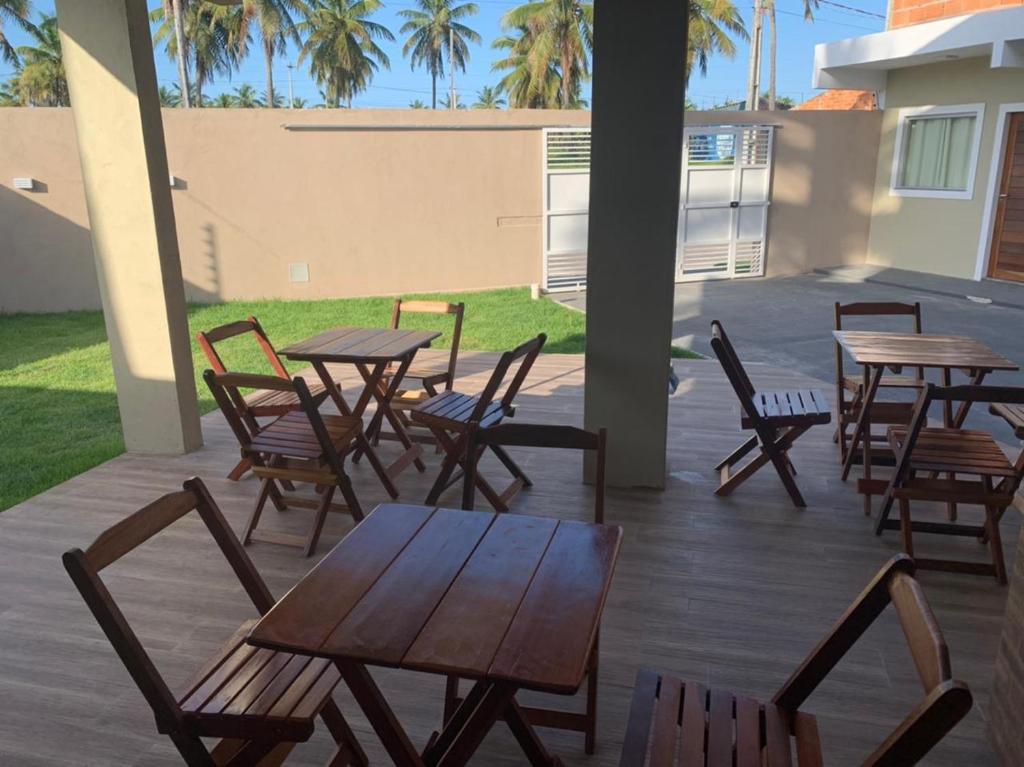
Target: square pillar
[108,57]
[635,166]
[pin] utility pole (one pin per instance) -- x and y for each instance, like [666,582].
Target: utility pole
[291,96]
[452,104]
[754,74]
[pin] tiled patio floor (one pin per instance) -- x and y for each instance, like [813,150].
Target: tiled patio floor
[730,592]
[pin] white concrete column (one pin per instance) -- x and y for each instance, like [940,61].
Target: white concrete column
[637,122]
[108,56]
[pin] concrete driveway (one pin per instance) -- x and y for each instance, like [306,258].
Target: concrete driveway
[787,322]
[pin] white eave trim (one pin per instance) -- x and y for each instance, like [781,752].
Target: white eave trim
[863,62]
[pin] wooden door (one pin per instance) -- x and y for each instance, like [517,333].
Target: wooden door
[1007,258]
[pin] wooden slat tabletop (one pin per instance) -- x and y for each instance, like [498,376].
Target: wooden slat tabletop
[360,345]
[471,593]
[913,349]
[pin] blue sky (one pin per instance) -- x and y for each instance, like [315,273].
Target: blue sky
[726,79]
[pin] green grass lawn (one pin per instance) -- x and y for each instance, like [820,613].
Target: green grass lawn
[58,409]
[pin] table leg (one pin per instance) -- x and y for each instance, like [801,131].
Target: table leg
[947,406]
[412,452]
[961,412]
[380,715]
[362,443]
[862,431]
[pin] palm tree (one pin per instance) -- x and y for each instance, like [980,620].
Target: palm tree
[273,100]
[560,33]
[417,104]
[447,104]
[526,87]
[341,46]
[175,9]
[9,96]
[246,97]
[433,28]
[41,81]
[223,101]
[170,97]
[488,98]
[711,23]
[217,37]
[299,103]
[276,28]
[16,11]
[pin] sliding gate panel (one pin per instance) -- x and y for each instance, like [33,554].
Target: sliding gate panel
[566,176]
[723,211]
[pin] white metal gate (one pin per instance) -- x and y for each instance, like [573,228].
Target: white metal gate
[723,209]
[566,176]
[723,213]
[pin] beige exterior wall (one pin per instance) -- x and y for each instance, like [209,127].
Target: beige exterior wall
[937,235]
[385,202]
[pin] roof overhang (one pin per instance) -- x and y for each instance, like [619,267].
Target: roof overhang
[863,62]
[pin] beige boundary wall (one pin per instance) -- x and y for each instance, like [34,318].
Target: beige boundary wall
[380,201]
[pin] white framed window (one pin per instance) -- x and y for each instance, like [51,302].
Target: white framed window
[936,152]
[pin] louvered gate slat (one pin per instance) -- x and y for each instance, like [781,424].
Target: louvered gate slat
[566,205]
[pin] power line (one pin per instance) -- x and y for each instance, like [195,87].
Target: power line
[852,9]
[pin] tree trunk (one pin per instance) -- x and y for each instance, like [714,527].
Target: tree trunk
[433,90]
[199,88]
[268,53]
[566,82]
[177,8]
[772,51]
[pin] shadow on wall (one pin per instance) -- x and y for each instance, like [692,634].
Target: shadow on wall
[39,247]
[48,260]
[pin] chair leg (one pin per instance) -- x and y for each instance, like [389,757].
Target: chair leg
[348,745]
[590,734]
[451,697]
[254,518]
[349,494]
[906,527]
[995,543]
[318,521]
[453,454]
[511,465]
[240,469]
[781,464]
[737,454]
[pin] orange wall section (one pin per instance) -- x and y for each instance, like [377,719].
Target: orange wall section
[905,13]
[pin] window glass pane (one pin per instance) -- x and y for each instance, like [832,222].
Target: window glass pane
[937,152]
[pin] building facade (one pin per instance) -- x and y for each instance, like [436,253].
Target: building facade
[949,185]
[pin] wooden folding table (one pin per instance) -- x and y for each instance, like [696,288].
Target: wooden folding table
[507,600]
[876,351]
[371,350]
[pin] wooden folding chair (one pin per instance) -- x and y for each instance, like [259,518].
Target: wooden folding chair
[541,436]
[302,446]
[449,413]
[926,453]
[262,403]
[848,411]
[430,379]
[258,702]
[778,419]
[716,728]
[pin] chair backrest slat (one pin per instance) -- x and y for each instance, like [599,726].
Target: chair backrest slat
[132,531]
[734,371]
[84,567]
[946,700]
[527,352]
[927,647]
[435,307]
[540,436]
[208,339]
